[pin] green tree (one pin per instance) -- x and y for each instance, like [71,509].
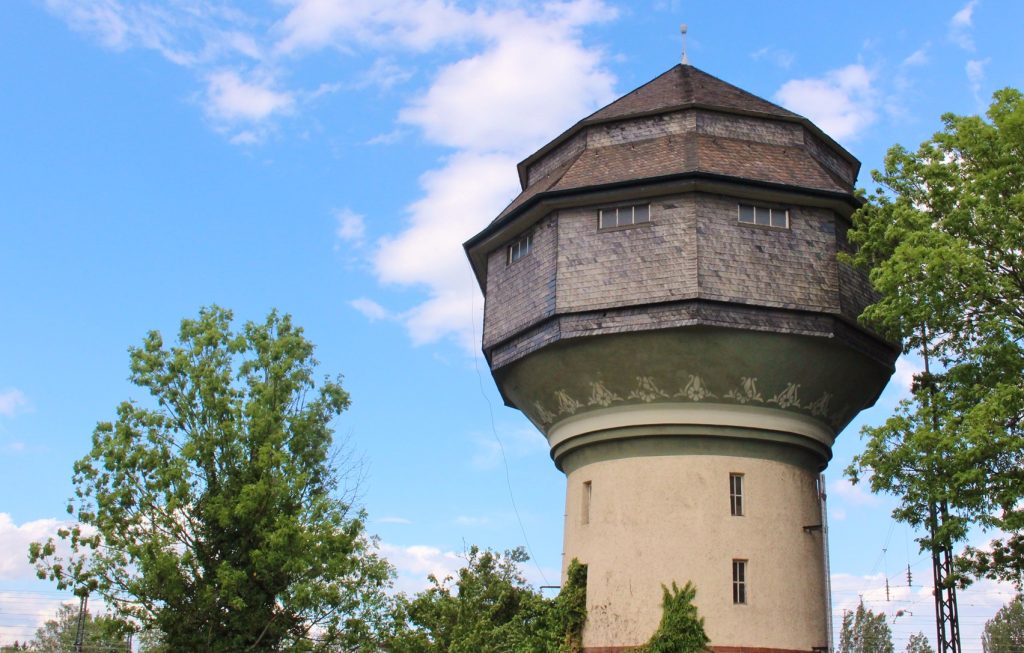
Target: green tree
[918,643]
[681,629]
[210,514]
[941,239]
[1004,633]
[864,631]
[102,633]
[489,608]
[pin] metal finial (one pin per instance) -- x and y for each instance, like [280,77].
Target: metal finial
[682,30]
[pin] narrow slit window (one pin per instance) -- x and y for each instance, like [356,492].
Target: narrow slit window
[585,515]
[736,494]
[739,582]
[623,216]
[520,248]
[764,216]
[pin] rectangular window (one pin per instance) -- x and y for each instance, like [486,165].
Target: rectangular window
[739,581]
[623,216]
[585,515]
[736,494]
[764,216]
[520,248]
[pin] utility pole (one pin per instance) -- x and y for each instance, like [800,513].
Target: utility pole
[80,630]
[947,619]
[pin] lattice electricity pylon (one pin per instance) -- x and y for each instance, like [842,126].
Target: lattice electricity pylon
[947,620]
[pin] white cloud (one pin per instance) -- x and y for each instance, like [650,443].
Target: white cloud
[906,368]
[14,541]
[231,98]
[351,226]
[854,495]
[414,563]
[909,610]
[960,26]
[534,69]
[12,401]
[842,103]
[26,613]
[343,24]
[370,309]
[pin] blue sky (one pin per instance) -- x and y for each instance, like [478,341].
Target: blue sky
[328,158]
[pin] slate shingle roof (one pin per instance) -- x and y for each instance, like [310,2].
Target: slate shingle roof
[660,157]
[682,86]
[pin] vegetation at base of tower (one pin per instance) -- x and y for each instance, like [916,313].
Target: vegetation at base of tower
[864,631]
[918,643]
[941,240]
[489,608]
[1004,633]
[210,513]
[681,629]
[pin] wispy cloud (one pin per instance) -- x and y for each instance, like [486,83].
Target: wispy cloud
[514,444]
[12,401]
[961,26]
[371,309]
[842,102]
[393,520]
[975,69]
[414,563]
[351,226]
[777,56]
[231,98]
[854,495]
[918,57]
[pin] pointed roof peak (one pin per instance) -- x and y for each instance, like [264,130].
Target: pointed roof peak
[686,85]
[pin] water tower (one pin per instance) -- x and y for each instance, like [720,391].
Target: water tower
[664,302]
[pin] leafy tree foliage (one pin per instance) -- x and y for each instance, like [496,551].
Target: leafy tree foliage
[942,242]
[1004,633]
[489,608]
[681,629]
[15,646]
[102,633]
[918,643]
[864,631]
[210,513]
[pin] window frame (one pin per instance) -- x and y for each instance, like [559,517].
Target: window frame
[739,582]
[588,493]
[736,508]
[618,208]
[772,210]
[514,251]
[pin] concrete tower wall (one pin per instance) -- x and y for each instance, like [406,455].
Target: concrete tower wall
[659,511]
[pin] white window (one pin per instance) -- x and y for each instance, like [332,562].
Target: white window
[739,581]
[623,216]
[585,515]
[736,494]
[520,248]
[764,216]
